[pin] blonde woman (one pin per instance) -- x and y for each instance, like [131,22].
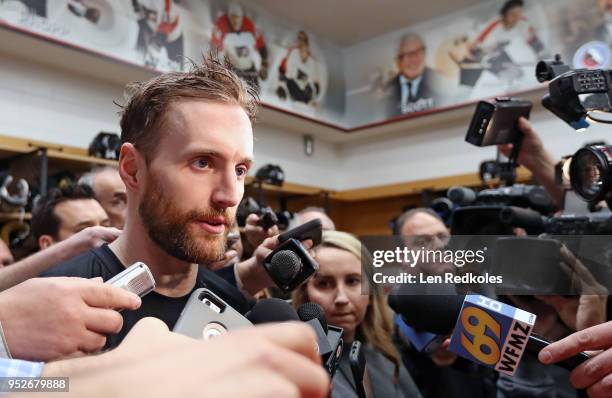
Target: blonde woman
[337,287]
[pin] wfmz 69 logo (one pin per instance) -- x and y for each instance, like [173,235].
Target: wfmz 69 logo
[490,334]
[482,346]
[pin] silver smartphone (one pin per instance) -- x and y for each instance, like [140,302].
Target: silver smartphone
[137,278]
[207,316]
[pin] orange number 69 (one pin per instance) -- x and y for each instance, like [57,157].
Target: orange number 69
[482,347]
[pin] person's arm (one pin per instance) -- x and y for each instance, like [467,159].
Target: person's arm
[537,160]
[291,71]
[595,375]
[251,276]
[277,360]
[44,319]
[255,234]
[587,309]
[36,264]
[136,346]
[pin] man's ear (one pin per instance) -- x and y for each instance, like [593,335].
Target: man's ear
[131,162]
[45,241]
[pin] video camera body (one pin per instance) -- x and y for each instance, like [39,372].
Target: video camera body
[598,223]
[478,213]
[542,262]
[574,94]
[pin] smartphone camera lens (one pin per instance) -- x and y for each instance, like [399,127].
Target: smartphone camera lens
[213,330]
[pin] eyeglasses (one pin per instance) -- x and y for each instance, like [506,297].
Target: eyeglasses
[411,54]
[427,241]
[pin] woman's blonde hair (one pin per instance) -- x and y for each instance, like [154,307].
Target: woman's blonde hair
[377,326]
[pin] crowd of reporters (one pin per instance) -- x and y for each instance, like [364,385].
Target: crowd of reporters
[59,319]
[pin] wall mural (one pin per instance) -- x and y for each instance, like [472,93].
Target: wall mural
[487,50]
[290,66]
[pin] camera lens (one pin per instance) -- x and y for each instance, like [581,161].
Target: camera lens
[590,172]
[213,330]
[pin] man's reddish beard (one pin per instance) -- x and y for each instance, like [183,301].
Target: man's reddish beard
[172,230]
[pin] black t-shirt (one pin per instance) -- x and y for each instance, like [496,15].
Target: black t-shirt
[104,263]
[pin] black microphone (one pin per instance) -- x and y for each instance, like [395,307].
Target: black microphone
[434,314]
[290,265]
[311,313]
[311,310]
[329,337]
[438,314]
[286,264]
[271,310]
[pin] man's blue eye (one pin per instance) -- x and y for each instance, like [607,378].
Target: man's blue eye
[201,163]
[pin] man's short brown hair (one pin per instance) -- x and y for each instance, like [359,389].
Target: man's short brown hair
[213,80]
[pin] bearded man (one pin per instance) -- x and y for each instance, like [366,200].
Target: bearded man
[187,147]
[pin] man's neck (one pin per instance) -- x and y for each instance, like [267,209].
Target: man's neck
[173,277]
[411,79]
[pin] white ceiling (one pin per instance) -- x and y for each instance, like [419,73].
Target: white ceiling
[346,22]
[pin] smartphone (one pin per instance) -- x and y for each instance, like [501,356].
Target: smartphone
[137,278]
[311,230]
[206,316]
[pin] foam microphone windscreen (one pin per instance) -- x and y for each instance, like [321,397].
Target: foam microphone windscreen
[271,310]
[309,310]
[431,313]
[286,264]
